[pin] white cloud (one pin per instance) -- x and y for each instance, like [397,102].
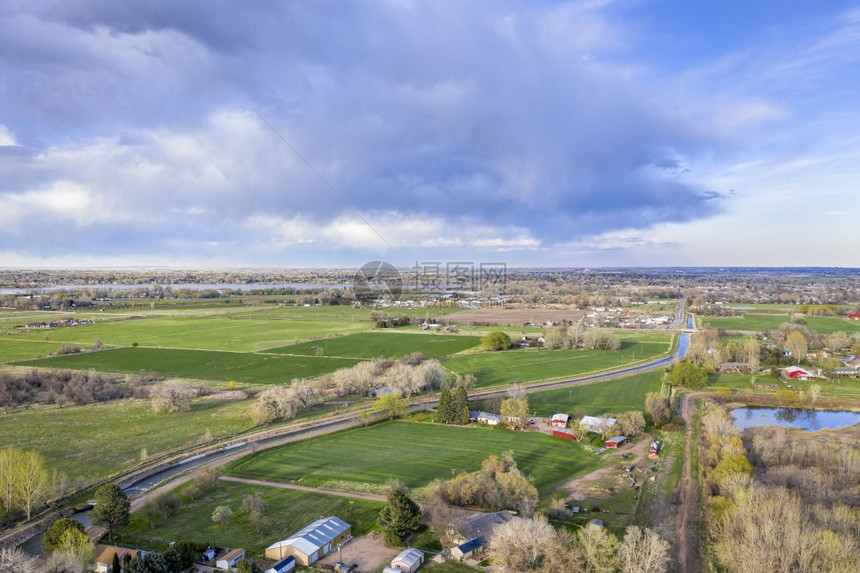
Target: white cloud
[7,139]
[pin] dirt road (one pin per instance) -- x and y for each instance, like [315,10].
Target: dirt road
[322,490]
[689,558]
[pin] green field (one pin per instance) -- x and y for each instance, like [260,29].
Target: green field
[286,511]
[753,322]
[384,344]
[500,368]
[415,453]
[198,364]
[208,333]
[614,396]
[12,349]
[96,440]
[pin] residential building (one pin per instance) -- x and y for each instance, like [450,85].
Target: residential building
[282,566]
[467,549]
[104,556]
[595,424]
[485,418]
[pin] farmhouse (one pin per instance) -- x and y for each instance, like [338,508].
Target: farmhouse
[797,373]
[559,420]
[229,559]
[467,549]
[408,561]
[482,525]
[313,542]
[595,424]
[485,418]
[104,556]
[615,442]
[283,565]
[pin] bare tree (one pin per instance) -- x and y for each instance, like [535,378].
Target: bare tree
[836,341]
[752,350]
[32,482]
[14,560]
[797,344]
[171,396]
[643,551]
[814,393]
[524,544]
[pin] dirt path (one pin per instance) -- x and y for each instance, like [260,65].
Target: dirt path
[577,488]
[322,490]
[689,560]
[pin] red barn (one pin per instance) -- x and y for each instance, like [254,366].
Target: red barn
[854,315]
[616,441]
[797,373]
[563,433]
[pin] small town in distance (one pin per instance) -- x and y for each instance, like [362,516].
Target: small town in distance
[559,286]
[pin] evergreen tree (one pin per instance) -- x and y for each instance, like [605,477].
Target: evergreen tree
[115,567]
[461,409]
[400,517]
[444,409]
[112,508]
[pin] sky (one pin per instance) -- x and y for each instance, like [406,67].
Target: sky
[564,134]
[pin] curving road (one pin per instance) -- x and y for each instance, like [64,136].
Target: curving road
[145,485]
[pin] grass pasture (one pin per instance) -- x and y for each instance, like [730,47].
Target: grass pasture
[286,512]
[206,333]
[198,364]
[96,440]
[12,349]
[614,396]
[756,322]
[384,344]
[415,453]
[500,368]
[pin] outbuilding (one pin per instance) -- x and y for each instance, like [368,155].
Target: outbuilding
[283,565]
[313,542]
[559,420]
[595,424]
[467,549]
[229,559]
[563,433]
[616,441]
[485,418]
[797,373]
[408,561]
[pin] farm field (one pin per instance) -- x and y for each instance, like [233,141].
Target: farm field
[415,453]
[286,512]
[500,368]
[207,333]
[833,389]
[753,322]
[99,439]
[383,344]
[614,396]
[12,349]
[198,364]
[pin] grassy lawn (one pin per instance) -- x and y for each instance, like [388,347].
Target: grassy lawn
[500,368]
[286,511]
[753,322]
[245,334]
[96,440]
[198,364]
[449,567]
[384,344]
[613,396]
[415,453]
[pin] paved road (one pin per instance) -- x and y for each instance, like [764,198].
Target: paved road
[143,487]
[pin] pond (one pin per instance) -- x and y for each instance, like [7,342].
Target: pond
[804,418]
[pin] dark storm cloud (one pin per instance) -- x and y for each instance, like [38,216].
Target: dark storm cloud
[444,111]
